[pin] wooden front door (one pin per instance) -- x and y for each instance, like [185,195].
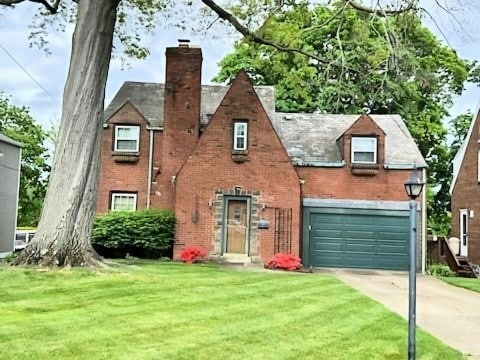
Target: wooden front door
[237,227]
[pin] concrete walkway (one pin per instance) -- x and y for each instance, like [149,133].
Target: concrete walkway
[449,313]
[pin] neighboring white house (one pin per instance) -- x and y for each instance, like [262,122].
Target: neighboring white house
[10,157]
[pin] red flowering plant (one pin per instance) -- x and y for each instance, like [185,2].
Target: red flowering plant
[285,261]
[192,254]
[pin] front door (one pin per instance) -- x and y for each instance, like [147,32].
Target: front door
[463,232]
[237,227]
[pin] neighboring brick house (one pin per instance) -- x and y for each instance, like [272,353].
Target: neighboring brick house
[465,193]
[246,182]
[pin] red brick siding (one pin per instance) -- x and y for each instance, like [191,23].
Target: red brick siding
[268,172]
[128,177]
[181,115]
[339,183]
[466,195]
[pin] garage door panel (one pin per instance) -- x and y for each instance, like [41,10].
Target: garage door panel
[333,233]
[359,241]
[320,219]
[355,234]
[328,246]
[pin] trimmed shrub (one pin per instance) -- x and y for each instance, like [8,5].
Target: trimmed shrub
[284,261]
[143,233]
[440,270]
[192,254]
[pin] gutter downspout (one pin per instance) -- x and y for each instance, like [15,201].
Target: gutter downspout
[150,167]
[424,222]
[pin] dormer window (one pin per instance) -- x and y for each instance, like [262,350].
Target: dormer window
[240,135]
[126,138]
[364,150]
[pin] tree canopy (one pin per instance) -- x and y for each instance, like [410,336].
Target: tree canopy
[16,123]
[388,65]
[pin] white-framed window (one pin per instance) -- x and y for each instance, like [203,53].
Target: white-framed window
[240,135]
[127,138]
[364,150]
[124,202]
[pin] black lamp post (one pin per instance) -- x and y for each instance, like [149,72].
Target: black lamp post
[413,187]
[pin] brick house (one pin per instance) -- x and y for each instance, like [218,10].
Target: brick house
[465,193]
[246,182]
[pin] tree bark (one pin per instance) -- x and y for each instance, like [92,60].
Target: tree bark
[63,236]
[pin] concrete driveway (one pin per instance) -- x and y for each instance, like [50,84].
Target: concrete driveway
[449,313]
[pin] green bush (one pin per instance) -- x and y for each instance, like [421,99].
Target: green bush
[144,233]
[440,270]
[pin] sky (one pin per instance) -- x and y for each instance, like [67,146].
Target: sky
[36,80]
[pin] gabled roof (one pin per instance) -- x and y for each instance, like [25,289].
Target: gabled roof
[6,139]
[148,99]
[458,159]
[310,139]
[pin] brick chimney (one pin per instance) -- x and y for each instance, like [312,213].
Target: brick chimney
[181,118]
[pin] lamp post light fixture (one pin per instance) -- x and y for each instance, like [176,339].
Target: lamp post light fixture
[413,187]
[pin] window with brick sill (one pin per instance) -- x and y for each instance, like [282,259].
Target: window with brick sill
[364,156]
[240,141]
[126,139]
[364,150]
[123,202]
[240,135]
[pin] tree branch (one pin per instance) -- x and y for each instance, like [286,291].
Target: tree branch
[10,2]
[225,15]
[381,12]
[52,8]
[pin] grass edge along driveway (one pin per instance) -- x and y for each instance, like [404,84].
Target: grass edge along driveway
[472,284]
[152,310]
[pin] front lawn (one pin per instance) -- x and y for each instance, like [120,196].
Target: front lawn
[467,283]
[151,310]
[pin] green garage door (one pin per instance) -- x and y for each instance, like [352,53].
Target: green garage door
[358,238]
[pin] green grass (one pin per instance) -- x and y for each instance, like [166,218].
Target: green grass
[151,310]
[467,283]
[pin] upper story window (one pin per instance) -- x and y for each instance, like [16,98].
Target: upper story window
[240,135]
[127,138]
[364,150]
[124,202]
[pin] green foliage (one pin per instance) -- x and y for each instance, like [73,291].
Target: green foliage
[440,270]
[391,65]
[10,257]
[17,123]
[135,19]
[140,233]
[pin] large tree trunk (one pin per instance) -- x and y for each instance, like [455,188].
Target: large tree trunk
[63,236]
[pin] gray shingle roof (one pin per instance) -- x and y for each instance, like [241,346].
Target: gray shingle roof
[148,99]
[310,139]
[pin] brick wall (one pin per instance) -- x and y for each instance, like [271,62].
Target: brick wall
[342,184]
[466,195]
[264,174]
[119,176]
[181,116]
